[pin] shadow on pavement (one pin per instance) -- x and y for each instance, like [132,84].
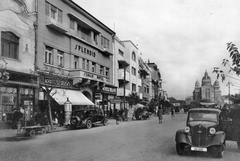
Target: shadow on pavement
[16,138]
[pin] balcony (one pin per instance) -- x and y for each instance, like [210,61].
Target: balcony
[55,25]
[106,51]
[85,37]
[120,75]
[120,92]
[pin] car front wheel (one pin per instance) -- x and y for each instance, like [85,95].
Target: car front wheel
[180,148]
[105,121]
[89,124]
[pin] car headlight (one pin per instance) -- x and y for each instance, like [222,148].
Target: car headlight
[187,129]
[212,130]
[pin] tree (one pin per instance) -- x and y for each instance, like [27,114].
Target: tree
[57,79]
[234,67]
[133,98]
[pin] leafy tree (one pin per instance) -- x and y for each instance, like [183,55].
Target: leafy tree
[133,98]
[235,98]
[234,67]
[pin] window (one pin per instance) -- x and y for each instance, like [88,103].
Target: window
[60,16]
[105,42]
[10,45]
[120,52]
[207,93]
[72,23]
[76,62]
[133,56]
[133,87]
[53,12]
[133,71]
[49,55]
[60,58]
[83,63]
[87,65]
[107,72]
[93,67]
[101,70]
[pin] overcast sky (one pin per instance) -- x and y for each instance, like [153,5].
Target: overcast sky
[183,37]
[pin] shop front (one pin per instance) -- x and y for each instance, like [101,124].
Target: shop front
[64,98]
[17,94]
[107,93]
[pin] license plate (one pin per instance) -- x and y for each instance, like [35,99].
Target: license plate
[198,149]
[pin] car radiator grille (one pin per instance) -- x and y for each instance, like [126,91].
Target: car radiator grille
[199,136]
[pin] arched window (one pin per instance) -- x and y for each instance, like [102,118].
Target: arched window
[133,56]
[10,45]
[207,93]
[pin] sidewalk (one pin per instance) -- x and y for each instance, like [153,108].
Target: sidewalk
[7,133]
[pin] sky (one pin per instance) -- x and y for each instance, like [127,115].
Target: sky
[184,38]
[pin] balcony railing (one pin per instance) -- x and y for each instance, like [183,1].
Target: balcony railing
[84,37]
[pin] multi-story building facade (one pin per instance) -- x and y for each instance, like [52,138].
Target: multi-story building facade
[76,46]
[132,56]
[146,87]
[18,84]
[156,80]
[121,73]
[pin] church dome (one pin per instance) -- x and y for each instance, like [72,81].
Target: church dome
[197,84]
[206,79]
[216,83]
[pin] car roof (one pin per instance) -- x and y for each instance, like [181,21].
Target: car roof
[205,109]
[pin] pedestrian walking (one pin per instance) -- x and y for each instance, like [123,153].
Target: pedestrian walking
[160,115]
[172,112]
[117,116]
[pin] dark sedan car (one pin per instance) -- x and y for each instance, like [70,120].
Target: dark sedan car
[202,133]
[86,118]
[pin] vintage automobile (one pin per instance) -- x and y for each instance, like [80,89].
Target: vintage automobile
[202,132]
[86,118]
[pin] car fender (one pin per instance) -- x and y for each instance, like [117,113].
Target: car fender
[218,138]
[182,137]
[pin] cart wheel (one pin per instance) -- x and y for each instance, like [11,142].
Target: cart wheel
[32,133]
[43,131]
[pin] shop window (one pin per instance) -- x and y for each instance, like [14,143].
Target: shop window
[10,45]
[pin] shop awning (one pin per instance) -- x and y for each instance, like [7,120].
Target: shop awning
[75,97]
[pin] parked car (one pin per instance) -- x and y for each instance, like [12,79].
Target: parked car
[202,132]
[86,118]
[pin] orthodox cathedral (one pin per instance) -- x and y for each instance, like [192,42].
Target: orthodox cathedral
[207,92]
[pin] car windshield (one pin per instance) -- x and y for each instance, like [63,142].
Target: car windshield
[202,116]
